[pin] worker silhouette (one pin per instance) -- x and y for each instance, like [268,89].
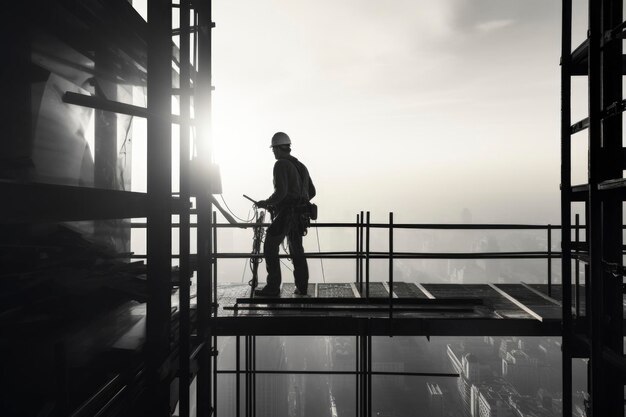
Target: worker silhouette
[290,208]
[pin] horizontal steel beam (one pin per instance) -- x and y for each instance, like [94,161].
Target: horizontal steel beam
[36,202]
[375,373]
[405,255]
[99,103]
[347,326]
[362,301]
[352,309]
[418,226]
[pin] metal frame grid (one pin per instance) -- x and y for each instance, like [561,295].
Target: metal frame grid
[600,58]
[598,333]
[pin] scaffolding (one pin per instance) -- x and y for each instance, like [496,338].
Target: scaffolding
[181,343]
[596,333]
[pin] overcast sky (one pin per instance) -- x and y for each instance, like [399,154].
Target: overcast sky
[419,107]
[413,106]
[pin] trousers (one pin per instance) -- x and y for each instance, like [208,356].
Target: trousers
[285,225]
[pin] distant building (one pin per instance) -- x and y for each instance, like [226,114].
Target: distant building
[506,345]
[549,357]
[492,404]
[521,370]
[492,397]
[436,400]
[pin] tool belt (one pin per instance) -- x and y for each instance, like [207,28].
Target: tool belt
[300,215]
[308,209]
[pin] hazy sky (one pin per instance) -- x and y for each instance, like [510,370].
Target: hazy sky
[414,106]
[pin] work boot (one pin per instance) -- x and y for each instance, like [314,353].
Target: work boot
[298,291]
[267,292]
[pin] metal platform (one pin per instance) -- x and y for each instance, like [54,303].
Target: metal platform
[413,309]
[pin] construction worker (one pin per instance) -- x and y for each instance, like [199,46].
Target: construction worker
[289,204]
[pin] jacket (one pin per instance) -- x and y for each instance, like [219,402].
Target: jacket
[292,183]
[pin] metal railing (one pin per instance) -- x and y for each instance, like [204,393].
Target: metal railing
[362,254]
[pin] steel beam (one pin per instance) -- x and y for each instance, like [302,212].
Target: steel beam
[337,301]
[611,168]
[185,197]
[345,326]
[596,309]
[159,181]
[202,94]
[33,202]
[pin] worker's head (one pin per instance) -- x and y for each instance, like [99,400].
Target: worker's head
[281,144]
[279,139]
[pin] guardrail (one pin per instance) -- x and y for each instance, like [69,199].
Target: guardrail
[362,254]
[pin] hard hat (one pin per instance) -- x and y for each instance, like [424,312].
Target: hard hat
[279,139]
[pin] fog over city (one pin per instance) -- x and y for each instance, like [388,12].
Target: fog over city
[439,111]
[421,108]
[428,138]
[442,112]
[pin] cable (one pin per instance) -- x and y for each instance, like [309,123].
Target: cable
[319,249]
[234,215]
[257,237]
[286,266]
[286,253]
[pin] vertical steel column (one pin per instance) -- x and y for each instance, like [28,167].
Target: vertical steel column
[238,376]
[202,114]
[247,369]
[391,265]
[185,197]
[611,203]
[358,270]
[596,309]
[105,127]
[361,223]
[214,261]
[367,256]
[159,187]
[369,374]
[363,373]
[577,268]
[357,390]
[566,263]
[566,63]
[215,350]
[549,247]
[253,376]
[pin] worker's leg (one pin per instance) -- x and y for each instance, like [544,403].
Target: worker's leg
[300,266]
[273,238]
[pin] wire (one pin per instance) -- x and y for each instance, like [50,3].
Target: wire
[257,236]
[285,265]
[286,253]
[319,249]
[234,215]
